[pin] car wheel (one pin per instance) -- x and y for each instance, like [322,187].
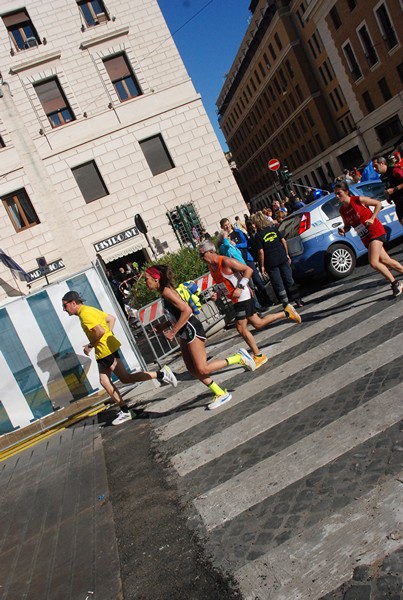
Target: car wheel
[340,261]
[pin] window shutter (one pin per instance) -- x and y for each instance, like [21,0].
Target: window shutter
[117,67]
[50,96]
[15,18]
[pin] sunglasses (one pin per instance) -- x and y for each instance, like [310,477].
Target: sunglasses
[66,303]
[201,254]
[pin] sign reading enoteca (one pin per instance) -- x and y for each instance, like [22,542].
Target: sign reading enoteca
[114,240]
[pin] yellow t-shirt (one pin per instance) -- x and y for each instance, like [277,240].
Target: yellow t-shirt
[90,317]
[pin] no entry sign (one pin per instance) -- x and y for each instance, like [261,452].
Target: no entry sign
[273,164]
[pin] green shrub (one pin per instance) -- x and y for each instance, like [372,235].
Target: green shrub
[186,264]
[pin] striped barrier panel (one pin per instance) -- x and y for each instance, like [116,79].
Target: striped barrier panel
[154,310]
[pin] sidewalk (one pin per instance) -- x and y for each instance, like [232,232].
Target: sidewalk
[87,514]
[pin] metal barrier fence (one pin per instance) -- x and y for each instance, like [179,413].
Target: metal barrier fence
[154,346]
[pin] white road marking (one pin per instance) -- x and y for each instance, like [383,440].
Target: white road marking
[260,421]
[323,557]
[226,501]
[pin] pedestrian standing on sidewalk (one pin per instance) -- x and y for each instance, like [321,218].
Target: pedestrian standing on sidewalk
[274,260]
[355,212]
[98,327]
[233,277]
[182,323]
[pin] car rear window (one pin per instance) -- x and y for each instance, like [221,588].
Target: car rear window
[331,208]
[374,189]
[290,226]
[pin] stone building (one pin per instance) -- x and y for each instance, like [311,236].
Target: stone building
[316,84]
[99,121]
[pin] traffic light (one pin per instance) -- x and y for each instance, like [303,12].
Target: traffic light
[285,178]
[191,215]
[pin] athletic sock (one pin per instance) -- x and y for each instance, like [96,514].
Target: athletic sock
[160,375]
[235,359]
[124,408]
[215,388]
[258,355]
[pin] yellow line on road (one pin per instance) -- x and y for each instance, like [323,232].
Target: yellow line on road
[43,435]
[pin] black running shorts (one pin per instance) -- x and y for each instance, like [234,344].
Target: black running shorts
[244,309]
[107,361]
[193,329]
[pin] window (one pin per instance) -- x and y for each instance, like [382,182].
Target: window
[331,96]
[368,102]
[334,15]
[54,102]
[312,48]
[89,181]
[386,27]
[302,124]
[273,54]
[351,4]
[278,41]
[389,130]
[383,86]
[328,70]
[122,77]
[317,39]
[289,68]
[400,71]
[21,30]
[339,97]
[299,93]
[156,154]
[20,210]
[323,76]
[368,46]
[309,117]
[93,12]
[352,61]
[2,144]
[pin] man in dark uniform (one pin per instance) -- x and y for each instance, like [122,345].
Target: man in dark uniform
[393,180]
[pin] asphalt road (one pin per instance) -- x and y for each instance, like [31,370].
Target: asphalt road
[291,491]
[294,489]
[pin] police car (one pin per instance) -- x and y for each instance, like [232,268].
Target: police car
[313,241]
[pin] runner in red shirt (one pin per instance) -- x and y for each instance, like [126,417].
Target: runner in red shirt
[355,212]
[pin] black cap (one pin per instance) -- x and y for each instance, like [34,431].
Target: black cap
[73,297]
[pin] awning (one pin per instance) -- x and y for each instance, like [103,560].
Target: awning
[123,249]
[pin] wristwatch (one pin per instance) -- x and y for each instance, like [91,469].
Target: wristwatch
[240,286]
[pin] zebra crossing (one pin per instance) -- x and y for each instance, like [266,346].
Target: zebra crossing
[299,478]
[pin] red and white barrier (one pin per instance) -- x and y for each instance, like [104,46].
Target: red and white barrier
[153,311]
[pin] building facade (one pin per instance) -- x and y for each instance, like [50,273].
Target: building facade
[99,121]
[316,84]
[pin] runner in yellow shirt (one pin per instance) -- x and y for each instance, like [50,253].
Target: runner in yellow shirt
[98,327]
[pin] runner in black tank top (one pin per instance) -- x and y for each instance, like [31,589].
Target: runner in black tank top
[192,339]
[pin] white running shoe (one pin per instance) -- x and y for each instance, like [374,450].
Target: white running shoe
[219,400]
[246,360]
[122,417]
[169,377]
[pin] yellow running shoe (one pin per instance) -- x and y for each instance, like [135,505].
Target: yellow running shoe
[260,360]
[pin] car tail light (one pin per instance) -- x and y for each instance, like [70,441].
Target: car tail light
[304,223]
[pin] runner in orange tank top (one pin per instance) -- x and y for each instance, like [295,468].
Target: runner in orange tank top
[232,278]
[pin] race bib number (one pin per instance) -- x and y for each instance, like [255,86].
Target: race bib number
[222,289]
[361,230]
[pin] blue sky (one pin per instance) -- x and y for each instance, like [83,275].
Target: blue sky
[208,43]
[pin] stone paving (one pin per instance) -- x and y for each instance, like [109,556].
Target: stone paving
[95,511]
